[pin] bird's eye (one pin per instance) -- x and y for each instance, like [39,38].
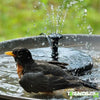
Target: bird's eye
[15,52]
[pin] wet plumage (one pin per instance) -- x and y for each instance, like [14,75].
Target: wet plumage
[42,76]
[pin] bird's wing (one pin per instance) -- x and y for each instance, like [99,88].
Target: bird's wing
[61,64]
[59,82]
[38,82]
[34,82]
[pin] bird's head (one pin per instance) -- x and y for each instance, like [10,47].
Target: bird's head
[21,55]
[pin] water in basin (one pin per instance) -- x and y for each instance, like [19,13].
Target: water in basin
[9,79]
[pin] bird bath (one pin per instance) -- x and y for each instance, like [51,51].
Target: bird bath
[9,87]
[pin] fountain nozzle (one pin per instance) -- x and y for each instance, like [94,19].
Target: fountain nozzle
[54,41]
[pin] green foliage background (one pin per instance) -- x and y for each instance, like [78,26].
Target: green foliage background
[23,18]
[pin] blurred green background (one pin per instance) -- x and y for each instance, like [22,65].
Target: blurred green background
[23,18]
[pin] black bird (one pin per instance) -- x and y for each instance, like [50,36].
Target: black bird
[41,76]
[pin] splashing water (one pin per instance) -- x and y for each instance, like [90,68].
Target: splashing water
[57,15]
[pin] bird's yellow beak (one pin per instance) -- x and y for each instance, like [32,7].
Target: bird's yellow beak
[10,53]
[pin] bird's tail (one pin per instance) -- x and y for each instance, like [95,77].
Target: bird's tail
[90,85]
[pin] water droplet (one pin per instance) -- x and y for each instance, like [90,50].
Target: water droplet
[39,3]
[90,30]
[43,43]
[51,7]
[85,10]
